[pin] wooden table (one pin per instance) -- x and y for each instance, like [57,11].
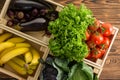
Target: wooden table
[107,11]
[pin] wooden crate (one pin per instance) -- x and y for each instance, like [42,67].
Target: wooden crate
[41,47]
[99,62]
[40,35]
[38,38]
[102,61]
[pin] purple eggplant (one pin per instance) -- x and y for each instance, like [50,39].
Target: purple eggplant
[28,5]
[37,24]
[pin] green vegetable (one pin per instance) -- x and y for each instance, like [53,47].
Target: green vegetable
[77,71]
[62,63]
[88,71]
[95,77]
[69,32]
[77,74]
[81,71]
[60,72]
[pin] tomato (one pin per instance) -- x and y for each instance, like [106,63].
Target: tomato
[97,53]
[87,33]
[95,26]
[105,44]
[106,29]
[89,56]
[97,38]
[103,51]
[91,44]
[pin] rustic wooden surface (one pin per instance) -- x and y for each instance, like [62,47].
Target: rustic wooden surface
[107,11]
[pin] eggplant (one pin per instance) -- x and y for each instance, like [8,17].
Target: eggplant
[37,24]
[28,5]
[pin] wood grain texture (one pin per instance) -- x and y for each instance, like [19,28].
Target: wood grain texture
[107,11]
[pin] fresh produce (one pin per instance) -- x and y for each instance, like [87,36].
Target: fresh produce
[69,32]
[28,15]
[16,67]
[28,4]
[24,44]
[28,57]
[63,69]
[94,26]
[18,45]
[99,39]
[5,45]
[11,14]
[97,53]
[34,25]
[30,71]
[19,61]
[20,15]
[18,54]
[12,54]
[34,12]
[36,57]
[106,29]
[5,36]
[16,40]
[87,33]
[10,23]
[105,44]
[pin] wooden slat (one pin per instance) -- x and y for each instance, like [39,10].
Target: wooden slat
[112,66]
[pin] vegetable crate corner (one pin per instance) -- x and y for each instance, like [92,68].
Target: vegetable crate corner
[20,54]
[32,21]
[70,31]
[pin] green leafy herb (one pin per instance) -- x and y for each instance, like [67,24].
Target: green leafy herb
[69,32]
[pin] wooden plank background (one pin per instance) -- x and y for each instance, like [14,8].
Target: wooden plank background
[107,11]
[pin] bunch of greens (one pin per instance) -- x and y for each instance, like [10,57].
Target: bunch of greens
[67,70]
[69,32]
[77,71]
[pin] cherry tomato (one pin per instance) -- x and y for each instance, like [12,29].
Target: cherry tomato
[87,33]
[106,29]
[97,38]
[105,44]
[97,53]
[95,26]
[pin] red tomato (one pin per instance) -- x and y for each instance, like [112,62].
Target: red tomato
[97,38]
[87,33]
[105,44]
[95,26]
[89,56]
[106,29]
[102,51]
[97,53]
[91,44]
